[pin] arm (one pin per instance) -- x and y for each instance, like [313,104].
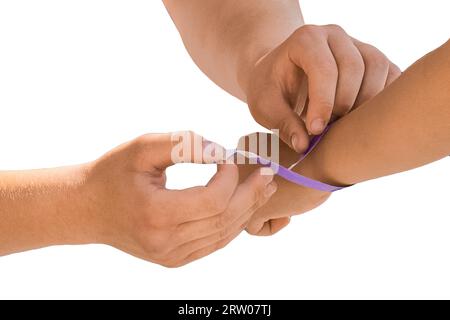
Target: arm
[40,208]
[406,126]
[226,38]
[121,200]
[262,53]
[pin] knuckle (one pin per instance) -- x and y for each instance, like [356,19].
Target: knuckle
[285,126]
[335,28]
[140,143]
[376,59]
[307,30]
[145,138]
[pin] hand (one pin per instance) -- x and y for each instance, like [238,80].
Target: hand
[322,64]
[289,199]
[137,214]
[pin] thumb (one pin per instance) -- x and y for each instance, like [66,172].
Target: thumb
[293,131]
[275,113]
[163,150]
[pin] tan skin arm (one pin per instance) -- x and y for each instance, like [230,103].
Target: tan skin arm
[404,127]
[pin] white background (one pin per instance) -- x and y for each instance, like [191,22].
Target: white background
[80,77]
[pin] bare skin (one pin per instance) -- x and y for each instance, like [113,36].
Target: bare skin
[294,77]
[263,53]
[121,200]
[404,127]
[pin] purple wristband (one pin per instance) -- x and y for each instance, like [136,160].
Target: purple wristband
[289,175]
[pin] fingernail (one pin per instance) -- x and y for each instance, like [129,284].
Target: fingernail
[294,141]
[317,126]
[270,189]
[267,174]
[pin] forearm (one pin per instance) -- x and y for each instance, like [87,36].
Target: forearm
[404,127]
[226,37]
[40,208]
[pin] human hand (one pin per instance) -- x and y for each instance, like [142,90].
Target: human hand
[289,199]
[319,64]
[137,214]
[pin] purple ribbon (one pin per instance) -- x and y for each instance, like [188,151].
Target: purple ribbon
[292,176]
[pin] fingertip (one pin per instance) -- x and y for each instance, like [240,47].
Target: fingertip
[271,188]
[267,175]
[299,143]
[317,126]
[277,224]
[254,227]
[294,143]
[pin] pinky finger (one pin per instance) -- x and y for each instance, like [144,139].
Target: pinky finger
[393,74]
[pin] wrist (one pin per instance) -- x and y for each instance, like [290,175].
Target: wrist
[71,218]
[91,214]
[318,166]
[41,208]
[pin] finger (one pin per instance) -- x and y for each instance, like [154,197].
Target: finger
[273,226]
[393,74]
[249,196]
[319,65]
[376,72]
[160,151]
[255,226]
[187,248]
[237,226]
[351,71]
[198,203]
[276,113]
[203,252]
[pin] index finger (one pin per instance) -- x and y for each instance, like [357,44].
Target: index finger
[319,65]
[160,151]
[204,201]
